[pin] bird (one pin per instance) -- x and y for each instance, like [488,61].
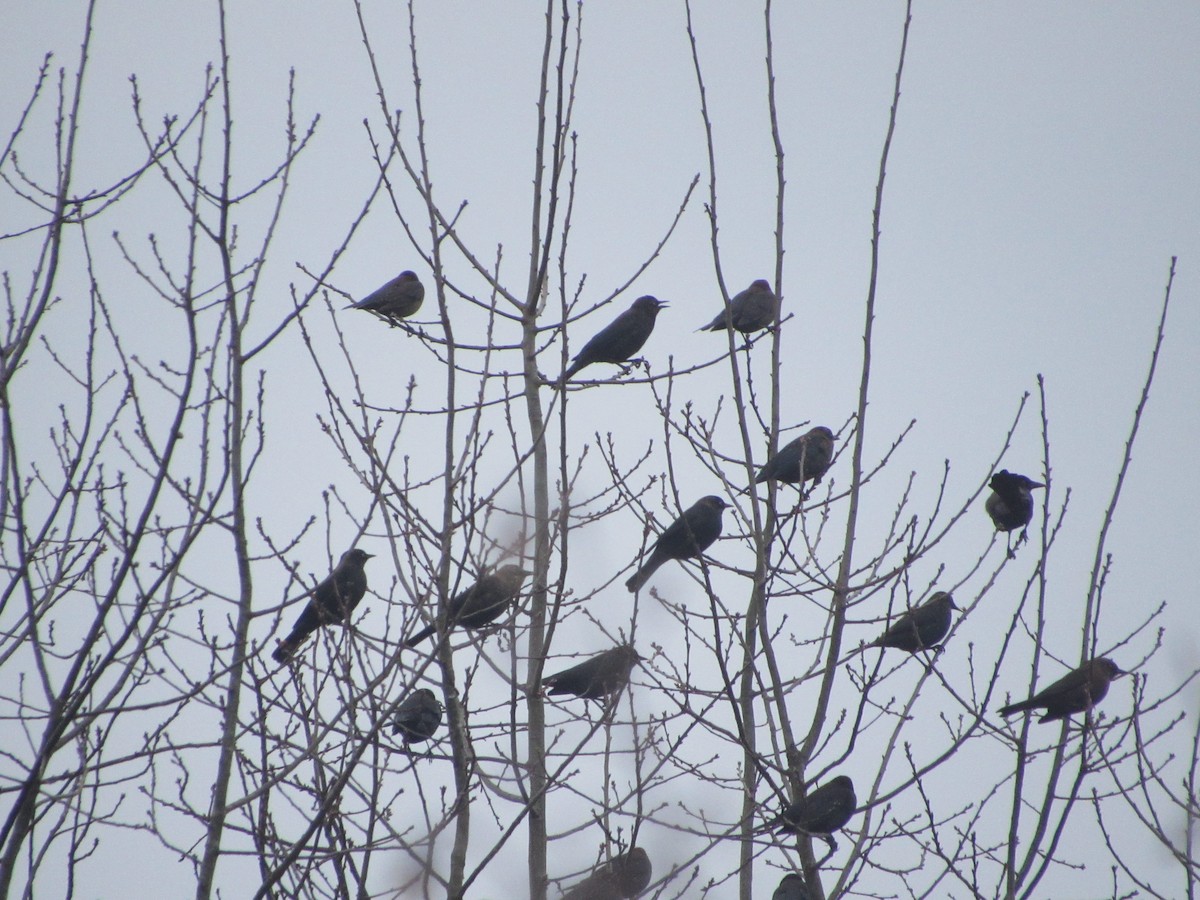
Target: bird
[1010,504]
[480,604]
[617,341]
[398,299]
[418,717]
[1077,691]
[625,875]
[750,310]
[685,538]
[330,601]
[792,887]
[921,628]
[824,811]
[807,458]
[597,678]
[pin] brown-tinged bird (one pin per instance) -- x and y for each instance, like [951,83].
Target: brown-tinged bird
[598,678]
[398,299]
[330,602]
[751,310]
[617,341]
[920,628]
[418,717]
[480,604]
[1077,691]
[824,811]
[807,458]
[685,538]
[625,875]
[792,887]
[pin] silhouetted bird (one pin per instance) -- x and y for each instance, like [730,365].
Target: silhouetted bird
[824,811]
[1011,503]
[330,601]
[1077,691]
[751,310]
[625,875]
[792,887]
[807,458]
[687,537]
[398,299]
[418,717]
[617,341]
[920,628]
[597,678]
[480,604]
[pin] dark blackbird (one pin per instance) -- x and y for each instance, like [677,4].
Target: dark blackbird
[687,537]
[824,811]
[751,310]
[617,341]
[418,717]
[597,678]
[1077,691]
[480,604]
[921,628]
[398,299]
[1011,502]
[807,458]
[330,601]
[792,887]
[625,875]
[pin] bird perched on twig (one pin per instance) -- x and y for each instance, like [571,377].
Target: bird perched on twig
[1011,504]
[792,887]
[329,602]
[598,678]
[617,341]
[823,811]
[398,299]
[685,538]
[920,628]
[751,310]
[807,458]
[418,717]
[1077,691]
[625,875]
[480,604]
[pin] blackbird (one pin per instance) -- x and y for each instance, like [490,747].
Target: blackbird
[1011,503]
[1077,691]
[792,887]
[600,677]
[625,875]
[418,717]
[617,341]
[921,628]
[807,458]
[685,538]
[480,604]
[398,299]
[329,602]
[824,811]
[753,309]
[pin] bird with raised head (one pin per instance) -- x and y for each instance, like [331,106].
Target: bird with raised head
[620,339]
[685,538]
[330,602]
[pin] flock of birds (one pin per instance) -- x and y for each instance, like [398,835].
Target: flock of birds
[820,812]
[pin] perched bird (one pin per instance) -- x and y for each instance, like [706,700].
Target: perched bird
[751,310]
[824,811]
[921,628]
[398,299]
[807,458]
[625,875]
[1077,691]
[617,341]
[792,887]
[418,717]
[600,677]
[685,538]
[480,604]
[330,601]
[1011,502]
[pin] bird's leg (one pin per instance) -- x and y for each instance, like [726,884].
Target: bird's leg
[828,838]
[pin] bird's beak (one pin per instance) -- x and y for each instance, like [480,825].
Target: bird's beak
[1036,484]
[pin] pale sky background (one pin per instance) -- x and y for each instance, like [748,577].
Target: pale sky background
[1042,175]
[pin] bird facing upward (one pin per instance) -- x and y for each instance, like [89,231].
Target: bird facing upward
[807,458]
[398,299]
[685,538]
[597,678]
[920,628]
[617,341]
[1077,691]
[750,310]
[480,604]
[330,601]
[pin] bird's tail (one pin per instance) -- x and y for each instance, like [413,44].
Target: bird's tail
[420,636]
[569,372]
[285,648]
[1017,707]
[642,575]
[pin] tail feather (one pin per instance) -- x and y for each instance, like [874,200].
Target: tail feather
[420,636]
[642,575]
[285,648]
[1017,707]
